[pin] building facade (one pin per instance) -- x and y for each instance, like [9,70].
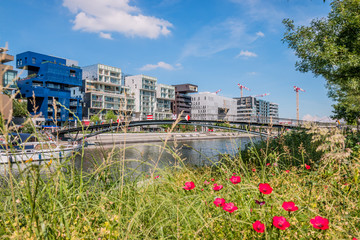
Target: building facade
[209,106]
[52,88]
[256,110]
[7,73]
[183,99]
[105,91]
[7,78]
[165,97]
[143,89]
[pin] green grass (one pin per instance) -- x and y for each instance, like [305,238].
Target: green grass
[65,203]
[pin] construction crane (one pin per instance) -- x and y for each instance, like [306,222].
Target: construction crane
[217,91]
[241,89]
[297,89]
[262,95]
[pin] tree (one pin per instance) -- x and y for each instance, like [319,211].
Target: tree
[95,119]
[110,115]
[20,109]
[330,48]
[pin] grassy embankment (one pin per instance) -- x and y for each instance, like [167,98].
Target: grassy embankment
[105,204]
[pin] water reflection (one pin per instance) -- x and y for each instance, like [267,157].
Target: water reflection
[143,157]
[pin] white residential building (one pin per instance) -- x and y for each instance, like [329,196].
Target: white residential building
[165,97]
[104,91]
[256,110]
[143,89]
[151,98]
[209,106]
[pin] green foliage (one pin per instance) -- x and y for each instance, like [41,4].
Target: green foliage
[28,128]
[110,115]
[289,149]
[1,122]
[95,119]
[166,126]
[20,109]
[59,201]
[330,48]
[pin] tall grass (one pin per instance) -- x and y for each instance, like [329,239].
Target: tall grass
[108,203]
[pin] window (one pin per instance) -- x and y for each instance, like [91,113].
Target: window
[72,73]
[25,59]
[33,60]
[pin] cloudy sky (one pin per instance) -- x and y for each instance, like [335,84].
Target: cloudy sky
[215,44]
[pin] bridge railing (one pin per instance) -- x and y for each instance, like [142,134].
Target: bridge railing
[235,118]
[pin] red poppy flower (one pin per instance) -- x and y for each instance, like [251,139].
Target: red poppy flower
[307,166]
[234,173]
[287,171]
[219,202]
[354,239]
[258,226]
[254,170]
[212,179]
[206,182]
[260,203]
[217,187]
[280,222]
[189,186]
[230,207]
[268,164]
[265,188]
[156,177]
[202,189]
[235,179]
[320,223]
[289,206]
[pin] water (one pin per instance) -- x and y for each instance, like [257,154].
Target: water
[143,157]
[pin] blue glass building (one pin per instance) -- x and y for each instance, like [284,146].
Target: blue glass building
[51,78]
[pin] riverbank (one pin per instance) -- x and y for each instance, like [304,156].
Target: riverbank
[109,139]
[281,189]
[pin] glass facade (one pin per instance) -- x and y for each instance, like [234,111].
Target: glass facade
[9,78]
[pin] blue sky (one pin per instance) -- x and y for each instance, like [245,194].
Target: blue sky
[215,44]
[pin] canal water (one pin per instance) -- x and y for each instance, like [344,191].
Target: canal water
[142,157]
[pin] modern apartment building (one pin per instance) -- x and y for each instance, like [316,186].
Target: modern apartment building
[105,91]
[7,73]
[52,87]
[165,97]
[256,110]
[183,99]
[209,106]
[7,78]
[143,88]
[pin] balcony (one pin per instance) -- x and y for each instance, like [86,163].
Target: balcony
[4,58]
[73,104]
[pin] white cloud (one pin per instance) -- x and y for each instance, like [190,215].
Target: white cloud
[163,65]
[105,35]
[316,118]
[231,33]
[246,54]
[260,34]
[215,38]
[259,10]
[115,16]
[251,73]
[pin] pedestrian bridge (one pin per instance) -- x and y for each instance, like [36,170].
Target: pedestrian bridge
[273,127]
